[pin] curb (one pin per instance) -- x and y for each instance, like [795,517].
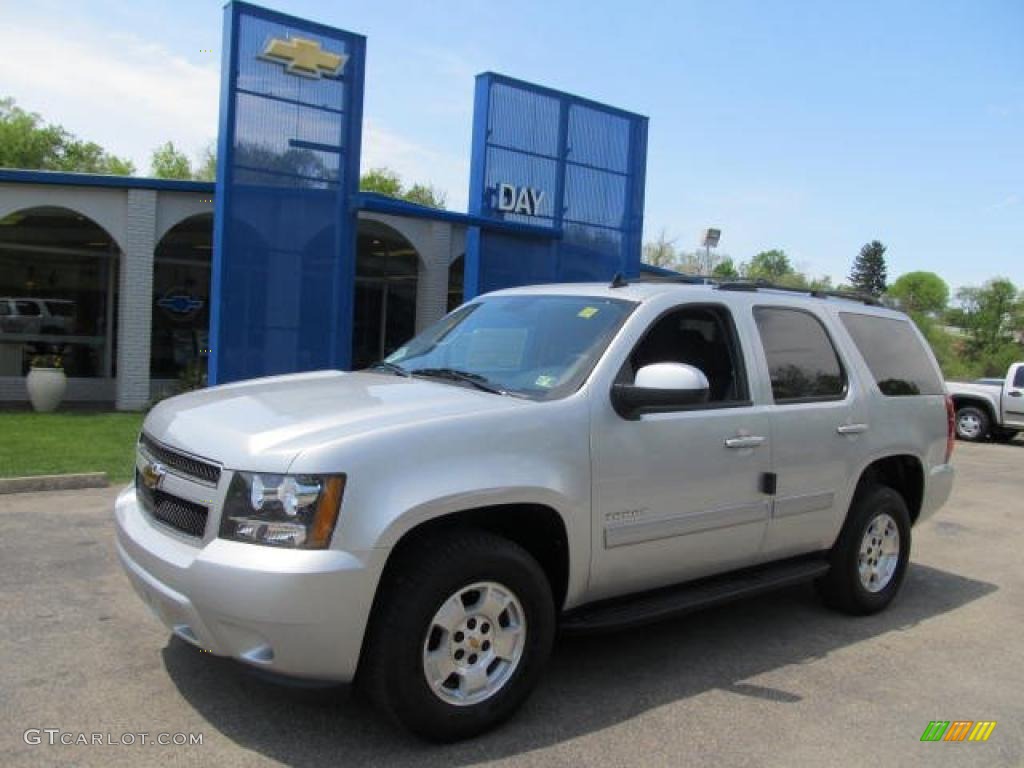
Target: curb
[54,482]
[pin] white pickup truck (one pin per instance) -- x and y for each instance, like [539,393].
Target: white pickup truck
[990,407]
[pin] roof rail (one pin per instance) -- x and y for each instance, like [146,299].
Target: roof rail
[756,285]
[678,278]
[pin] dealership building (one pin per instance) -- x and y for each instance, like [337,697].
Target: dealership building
[283,264]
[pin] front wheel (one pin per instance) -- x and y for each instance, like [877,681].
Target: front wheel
[971,423]
[869,561]
[463,629]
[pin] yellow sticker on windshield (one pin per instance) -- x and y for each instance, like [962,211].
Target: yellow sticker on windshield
[587,312]
[545,381]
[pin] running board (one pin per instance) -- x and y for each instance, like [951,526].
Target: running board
[647,607]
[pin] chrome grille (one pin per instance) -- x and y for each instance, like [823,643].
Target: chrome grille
[177,513]
[197,469]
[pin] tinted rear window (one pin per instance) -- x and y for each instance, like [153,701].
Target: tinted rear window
[802,362]
[895,355]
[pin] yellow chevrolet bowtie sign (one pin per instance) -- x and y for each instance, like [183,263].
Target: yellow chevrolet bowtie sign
[304,57]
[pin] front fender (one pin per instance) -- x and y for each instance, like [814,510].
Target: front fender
[401,478]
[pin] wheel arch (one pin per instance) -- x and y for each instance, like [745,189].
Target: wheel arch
[960,401]
[537,528]
[903,472]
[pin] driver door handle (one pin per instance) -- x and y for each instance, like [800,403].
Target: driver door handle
[852,429]
[745,441]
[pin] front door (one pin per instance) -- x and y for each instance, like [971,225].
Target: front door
[679,495]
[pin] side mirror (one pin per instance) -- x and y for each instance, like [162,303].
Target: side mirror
[660,388]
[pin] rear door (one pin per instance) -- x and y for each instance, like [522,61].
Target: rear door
[1013,397]
[818,429]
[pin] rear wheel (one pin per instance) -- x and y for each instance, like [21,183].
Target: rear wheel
[869,561]
[972,423]
[462,632]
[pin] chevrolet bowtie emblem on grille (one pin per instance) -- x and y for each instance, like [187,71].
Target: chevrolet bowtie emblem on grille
[304,57]
[153,474]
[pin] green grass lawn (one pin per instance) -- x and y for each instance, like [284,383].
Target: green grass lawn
[56,443]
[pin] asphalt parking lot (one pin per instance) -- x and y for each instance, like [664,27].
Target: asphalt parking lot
[772,681]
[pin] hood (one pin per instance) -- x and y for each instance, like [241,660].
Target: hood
[263,424]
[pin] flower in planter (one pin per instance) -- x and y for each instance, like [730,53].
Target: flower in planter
[48,361]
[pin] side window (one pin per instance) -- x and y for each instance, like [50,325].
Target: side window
[895,356]
[1018,378]
[28,308]
[802,363]
[701,336]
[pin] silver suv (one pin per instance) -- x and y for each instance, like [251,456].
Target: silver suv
[574,457]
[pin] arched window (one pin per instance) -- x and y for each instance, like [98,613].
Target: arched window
[58,283]
[456,282]
[180,342]
[387,269]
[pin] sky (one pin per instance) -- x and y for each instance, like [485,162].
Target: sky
[807,126]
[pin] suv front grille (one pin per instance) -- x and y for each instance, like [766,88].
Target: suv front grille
[180,514]
[197,469]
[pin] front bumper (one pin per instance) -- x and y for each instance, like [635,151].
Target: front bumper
[292,612]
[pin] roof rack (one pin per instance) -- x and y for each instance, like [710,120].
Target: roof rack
[756,285]
[752,286]
[679,278]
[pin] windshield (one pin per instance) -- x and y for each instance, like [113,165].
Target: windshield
[541,347]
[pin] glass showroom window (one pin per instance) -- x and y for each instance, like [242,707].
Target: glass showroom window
[181,302]
[58,276]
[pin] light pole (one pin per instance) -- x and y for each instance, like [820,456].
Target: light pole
[711,238]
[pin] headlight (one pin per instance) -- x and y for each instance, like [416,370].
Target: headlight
[295,511]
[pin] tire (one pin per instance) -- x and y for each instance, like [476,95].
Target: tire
[845,587]
[482,573]
[972,423]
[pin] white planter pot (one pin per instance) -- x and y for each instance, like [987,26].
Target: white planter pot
[46,388]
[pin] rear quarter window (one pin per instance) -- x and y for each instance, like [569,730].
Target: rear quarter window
[894,354]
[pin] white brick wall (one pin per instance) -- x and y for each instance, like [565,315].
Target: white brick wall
[136,301]
[432,283]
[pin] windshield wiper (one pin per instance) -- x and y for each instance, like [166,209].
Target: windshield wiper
[475,379]
[392,367]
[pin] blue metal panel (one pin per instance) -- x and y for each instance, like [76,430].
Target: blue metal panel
[18,176]
[584,163]
[284,231]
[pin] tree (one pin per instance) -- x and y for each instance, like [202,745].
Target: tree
[869,272]
[726,269]
[660,253]
[169,163]
[989,312]
[921,292]
[27,142]
[773,266]
[384,181]
[426,194]
[990,315]
[206,169]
